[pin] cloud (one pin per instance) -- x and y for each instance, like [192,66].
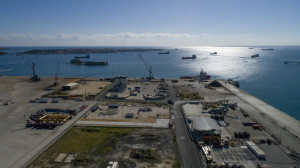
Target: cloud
[123,39]
[140,39]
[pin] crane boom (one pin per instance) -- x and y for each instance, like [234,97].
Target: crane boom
[35,77]
[56,75]
[149,68]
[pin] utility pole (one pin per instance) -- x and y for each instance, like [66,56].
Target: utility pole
[225,91]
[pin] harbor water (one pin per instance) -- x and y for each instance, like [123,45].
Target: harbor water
[266,77]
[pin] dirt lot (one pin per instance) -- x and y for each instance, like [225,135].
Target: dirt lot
[188,92]
[89,88]
[96,147]
[160,141]
[86,88]
[161,112]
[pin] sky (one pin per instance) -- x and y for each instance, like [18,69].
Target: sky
[149,22]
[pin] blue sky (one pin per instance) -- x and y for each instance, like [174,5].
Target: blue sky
[149,22]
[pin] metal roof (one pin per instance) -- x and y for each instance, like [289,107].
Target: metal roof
[205,124]
[257,151]
[70,84]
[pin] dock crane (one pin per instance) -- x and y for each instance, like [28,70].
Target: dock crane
[35,77]
[56,76]
[149,68]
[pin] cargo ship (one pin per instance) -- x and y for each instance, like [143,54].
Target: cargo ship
[255,55]
[95,63]
[164,52]
[267,49]
[77,61]
[192,57]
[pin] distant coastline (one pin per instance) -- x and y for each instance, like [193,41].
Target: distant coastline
[3,53]
[86,50]
[1,48]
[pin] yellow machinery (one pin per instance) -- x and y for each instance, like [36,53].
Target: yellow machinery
[59,119]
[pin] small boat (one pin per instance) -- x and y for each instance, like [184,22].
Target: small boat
[86,56]
[93,63]
[192,57]
[77,61]
[267,49]
[214,53]
[164,52]
[234,82]
[255,55]
[203,75]
[186,77]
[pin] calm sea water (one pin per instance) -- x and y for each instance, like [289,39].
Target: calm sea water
[266,77]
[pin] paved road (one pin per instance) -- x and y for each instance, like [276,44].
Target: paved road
[190,157]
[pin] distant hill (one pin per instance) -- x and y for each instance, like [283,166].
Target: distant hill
[87,50]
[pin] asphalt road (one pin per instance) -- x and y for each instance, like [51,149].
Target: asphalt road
[189,155]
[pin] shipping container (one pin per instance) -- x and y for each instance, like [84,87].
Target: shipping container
[94,108]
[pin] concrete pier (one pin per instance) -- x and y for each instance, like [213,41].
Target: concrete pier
[275,121]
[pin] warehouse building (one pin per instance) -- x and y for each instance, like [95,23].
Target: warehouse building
[206,129]
[120,83]
[70,86]
[260,154]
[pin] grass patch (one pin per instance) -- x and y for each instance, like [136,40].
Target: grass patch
[176,165]
[190,96]
[90,144]
[59,92]
[213,105]
[145,155]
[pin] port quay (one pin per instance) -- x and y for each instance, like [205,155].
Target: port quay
[187,122]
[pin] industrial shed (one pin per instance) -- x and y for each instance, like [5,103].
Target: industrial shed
[260,154]
[214,83]
[205,124]
[206,129]
[70,86]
